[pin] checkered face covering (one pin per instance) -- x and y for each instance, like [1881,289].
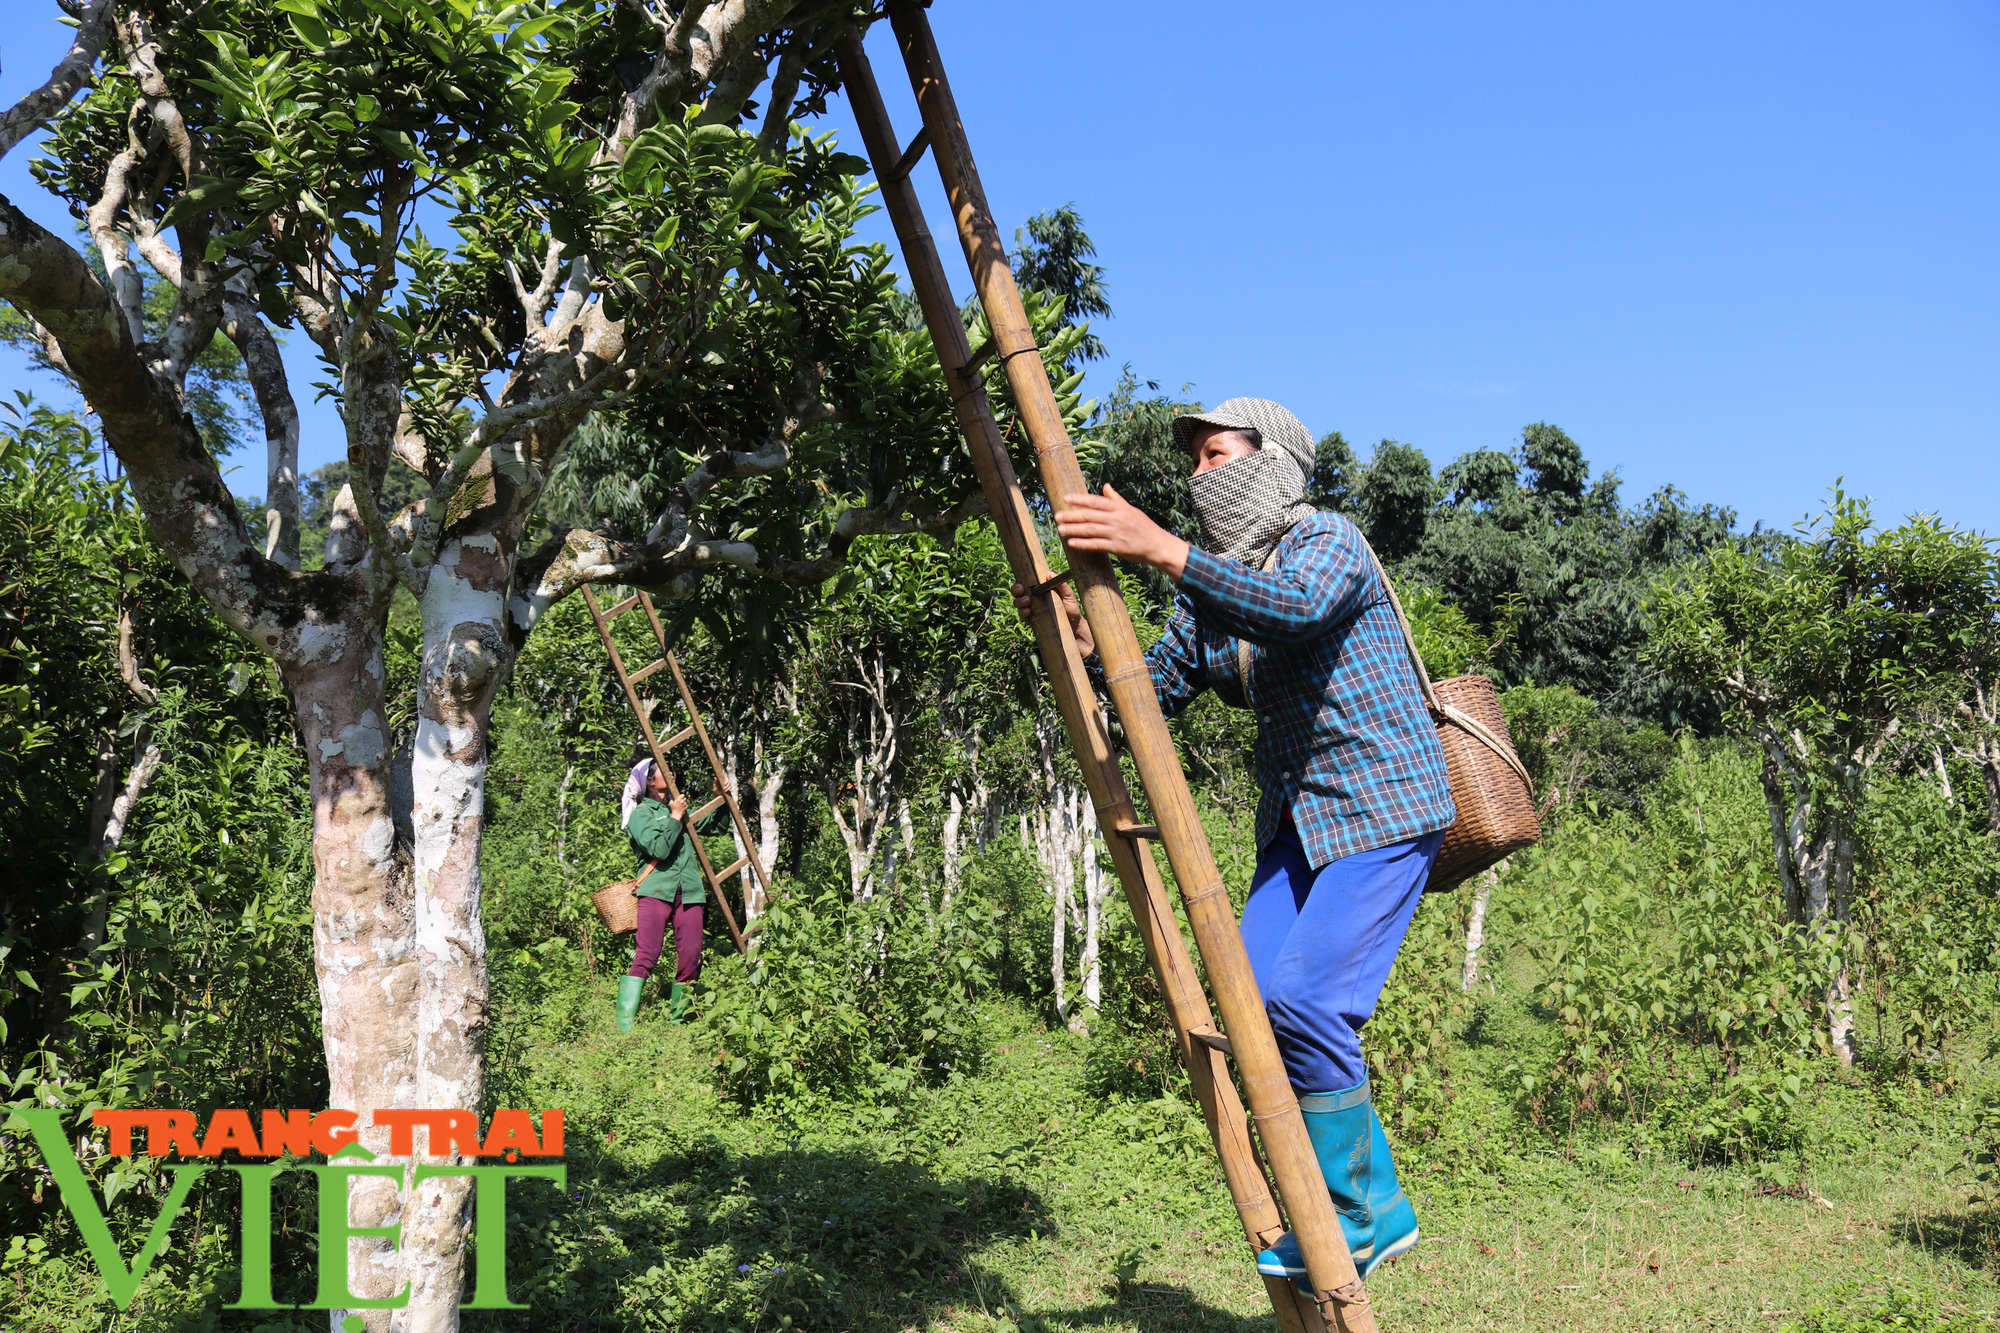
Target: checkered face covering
[1247,505]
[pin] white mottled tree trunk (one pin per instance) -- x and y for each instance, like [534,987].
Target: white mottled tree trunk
[873,737]
[465,649]
[954,817]
[1979,742]
[767,780]
[104,839]
[1057,942]
[364,921]
[772,781]
[1815,855]
[1475,926]
[1096,889]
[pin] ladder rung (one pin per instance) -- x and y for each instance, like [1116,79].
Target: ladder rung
[619,608]
[675,739]
[731,869]
[1148,831]
[646,671]
[977,359]
[914,153]
[710,808]
[1215,1041]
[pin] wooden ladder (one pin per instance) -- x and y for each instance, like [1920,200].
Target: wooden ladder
[1339,1301]
[694,731]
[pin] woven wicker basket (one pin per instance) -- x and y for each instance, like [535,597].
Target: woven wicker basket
[1496,810]
[618,906]
[1495,800]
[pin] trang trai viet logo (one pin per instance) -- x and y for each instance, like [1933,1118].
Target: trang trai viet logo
[291,1135]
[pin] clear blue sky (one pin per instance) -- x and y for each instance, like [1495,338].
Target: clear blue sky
[1739,249]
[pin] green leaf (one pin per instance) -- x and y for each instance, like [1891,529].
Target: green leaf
[403,146]
[207,195]
[311,31]
[366,108]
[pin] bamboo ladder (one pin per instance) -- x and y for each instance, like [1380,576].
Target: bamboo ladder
[1341,1303]
[694,730]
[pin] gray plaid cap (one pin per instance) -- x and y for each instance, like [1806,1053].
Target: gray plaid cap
[1273,422]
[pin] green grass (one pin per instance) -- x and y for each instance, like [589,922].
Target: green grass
[1013,1199]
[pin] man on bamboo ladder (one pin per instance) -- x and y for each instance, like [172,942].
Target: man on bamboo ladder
[671,891]
[1285,612]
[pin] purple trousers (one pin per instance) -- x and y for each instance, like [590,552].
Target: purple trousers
[653,916]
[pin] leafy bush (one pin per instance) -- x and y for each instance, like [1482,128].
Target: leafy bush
[1927,917]
[1409,1040]
[852,999]
[1737,1117]
[1680,990]
[202,993]
[1605,986]
[1574,750]
[1981,1159]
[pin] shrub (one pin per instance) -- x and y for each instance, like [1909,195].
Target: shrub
[1606,986]
[1927,917]
[852,999]
[1408,1041]
[1574,750]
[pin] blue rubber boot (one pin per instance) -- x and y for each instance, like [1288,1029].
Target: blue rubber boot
[1342,1128]
[1395,1219]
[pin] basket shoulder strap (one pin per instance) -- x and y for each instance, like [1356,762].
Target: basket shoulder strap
[651,866]
[1444,712]
[1403,621]
[1243,645]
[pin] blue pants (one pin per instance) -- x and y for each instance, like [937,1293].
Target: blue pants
[1321,946]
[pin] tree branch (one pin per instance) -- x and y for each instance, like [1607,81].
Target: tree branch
[744,76]
[371,392]
[198,296]
[70,74]
[776,130]
[128,660]
[704,41]
[804,410]
[175,479]
[112,244]
[265,367]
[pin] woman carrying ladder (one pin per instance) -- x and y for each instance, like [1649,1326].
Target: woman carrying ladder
[1283,610]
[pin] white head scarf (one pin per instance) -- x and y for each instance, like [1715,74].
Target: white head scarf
[635,791]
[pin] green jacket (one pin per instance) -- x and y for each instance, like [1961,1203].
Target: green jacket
[658,836]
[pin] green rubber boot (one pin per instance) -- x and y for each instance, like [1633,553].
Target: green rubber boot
[628,1001]
[677,1003]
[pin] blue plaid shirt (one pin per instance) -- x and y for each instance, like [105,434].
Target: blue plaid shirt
[1344,742]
